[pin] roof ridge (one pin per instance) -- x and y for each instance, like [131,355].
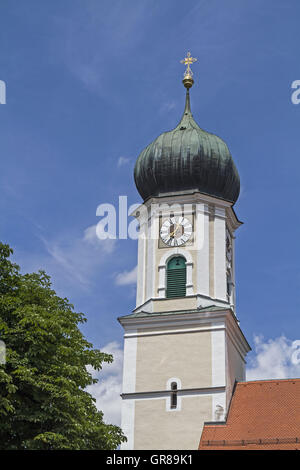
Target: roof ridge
[249,382]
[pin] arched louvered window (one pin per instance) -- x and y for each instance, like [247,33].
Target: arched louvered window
[176,277]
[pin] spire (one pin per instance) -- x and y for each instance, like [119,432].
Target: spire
[188,83]
[187,119]
[187,108]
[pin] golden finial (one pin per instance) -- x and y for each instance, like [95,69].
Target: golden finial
[188,74]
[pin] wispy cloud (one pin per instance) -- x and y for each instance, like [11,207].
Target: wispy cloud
[168,106]
[123,161]
[274,359]
[90,26]
[78,258]
[71,261]
[107,390]
[127,277]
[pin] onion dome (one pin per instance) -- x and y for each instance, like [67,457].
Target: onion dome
[187,159]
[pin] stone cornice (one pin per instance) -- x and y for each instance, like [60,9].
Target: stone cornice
[181,391]
[223,318]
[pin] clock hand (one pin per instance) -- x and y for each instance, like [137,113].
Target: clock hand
[174,231]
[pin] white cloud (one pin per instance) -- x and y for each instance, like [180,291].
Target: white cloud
[107,246]
[123,161]
[90,234]
[127,277]
[275,359]
[107,390]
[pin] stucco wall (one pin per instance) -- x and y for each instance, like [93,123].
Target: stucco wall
[156,428]
[184,355]
[171,305]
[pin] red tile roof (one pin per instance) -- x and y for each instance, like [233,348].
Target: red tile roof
[263,414]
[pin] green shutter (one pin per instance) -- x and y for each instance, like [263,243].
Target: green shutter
[176,278]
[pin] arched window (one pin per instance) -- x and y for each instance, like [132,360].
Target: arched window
[173,395]
[176,277]
[162,271]
[173,398]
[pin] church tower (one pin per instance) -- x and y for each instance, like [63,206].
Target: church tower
[183,346]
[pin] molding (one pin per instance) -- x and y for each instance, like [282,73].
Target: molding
[165,393]
[127,423]
[175,318]
[237,343]
[190,197]
[221,319]
[220,212]
[174,332]
[147,305]
[211,253]
[128,385]
[232,220]
[218,372]
[129,363]
[215,300]
[174,252]
[193,195]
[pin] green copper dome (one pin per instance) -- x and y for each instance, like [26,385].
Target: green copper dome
[184,159]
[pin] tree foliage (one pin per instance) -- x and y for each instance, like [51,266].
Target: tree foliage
[43,401]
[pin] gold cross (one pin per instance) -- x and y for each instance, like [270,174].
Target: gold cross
[188,61]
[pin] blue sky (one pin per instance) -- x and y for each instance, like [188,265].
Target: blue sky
[91,83]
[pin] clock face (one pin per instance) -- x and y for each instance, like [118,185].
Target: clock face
[176,231]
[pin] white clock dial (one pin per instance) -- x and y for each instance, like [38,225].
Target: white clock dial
[176,231]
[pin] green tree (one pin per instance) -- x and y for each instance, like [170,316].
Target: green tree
[43,402]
